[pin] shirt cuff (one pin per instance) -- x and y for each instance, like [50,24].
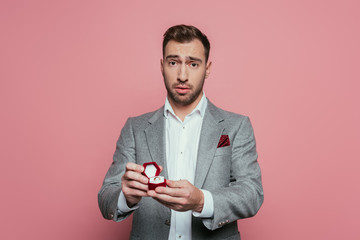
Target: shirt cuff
[123,208]
[208,208]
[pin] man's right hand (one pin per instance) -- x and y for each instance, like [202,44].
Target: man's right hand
[134,185]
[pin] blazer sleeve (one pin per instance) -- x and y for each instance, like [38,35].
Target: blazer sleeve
[244,195]
[109,193]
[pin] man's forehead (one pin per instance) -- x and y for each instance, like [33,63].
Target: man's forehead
[193,49]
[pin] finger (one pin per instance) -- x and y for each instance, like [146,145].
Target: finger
[134,192]
[177,184]
[151,193]
[179,205]
[136,185]
[173,192]
[161,168]
[134,167]
[135,176]
[166,199]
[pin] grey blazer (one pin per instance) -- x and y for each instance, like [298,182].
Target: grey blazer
[231,174]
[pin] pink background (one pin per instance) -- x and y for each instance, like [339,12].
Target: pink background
[73,71]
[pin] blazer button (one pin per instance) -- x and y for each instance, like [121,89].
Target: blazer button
[167,222]
[111,215]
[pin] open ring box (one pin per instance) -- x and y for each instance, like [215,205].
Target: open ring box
[152,171]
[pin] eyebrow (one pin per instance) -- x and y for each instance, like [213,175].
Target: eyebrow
[177,56]
[172,56]
[195,59]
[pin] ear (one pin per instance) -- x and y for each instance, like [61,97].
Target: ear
[208,67]
[162,66]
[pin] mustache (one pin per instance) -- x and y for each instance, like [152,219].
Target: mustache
[181,85]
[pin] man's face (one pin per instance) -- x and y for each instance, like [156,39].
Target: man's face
[184,70]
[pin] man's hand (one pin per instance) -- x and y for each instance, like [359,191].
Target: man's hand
[180,196]
[134,185]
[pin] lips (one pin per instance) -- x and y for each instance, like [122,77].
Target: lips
[182,89]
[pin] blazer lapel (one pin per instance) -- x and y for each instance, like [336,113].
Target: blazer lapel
[155,137]
[209,137]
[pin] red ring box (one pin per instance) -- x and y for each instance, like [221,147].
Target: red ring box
[151,171]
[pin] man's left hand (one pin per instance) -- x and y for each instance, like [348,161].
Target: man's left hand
[179,195]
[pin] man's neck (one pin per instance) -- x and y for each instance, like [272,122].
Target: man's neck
[182,111]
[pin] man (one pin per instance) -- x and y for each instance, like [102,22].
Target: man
[208,156]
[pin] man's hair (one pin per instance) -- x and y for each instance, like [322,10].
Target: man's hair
[186,33]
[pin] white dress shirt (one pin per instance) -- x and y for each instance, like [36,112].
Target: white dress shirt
[182,141]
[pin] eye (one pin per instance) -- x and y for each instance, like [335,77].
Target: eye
[172,63]
[194,65]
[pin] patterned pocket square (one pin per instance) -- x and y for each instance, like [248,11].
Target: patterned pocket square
[224,141]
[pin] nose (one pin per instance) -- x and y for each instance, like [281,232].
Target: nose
[183,73]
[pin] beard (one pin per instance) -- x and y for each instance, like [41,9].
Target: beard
[187,98]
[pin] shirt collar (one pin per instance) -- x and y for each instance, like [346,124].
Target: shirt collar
[200,108]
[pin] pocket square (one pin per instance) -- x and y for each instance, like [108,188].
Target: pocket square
[224,141]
